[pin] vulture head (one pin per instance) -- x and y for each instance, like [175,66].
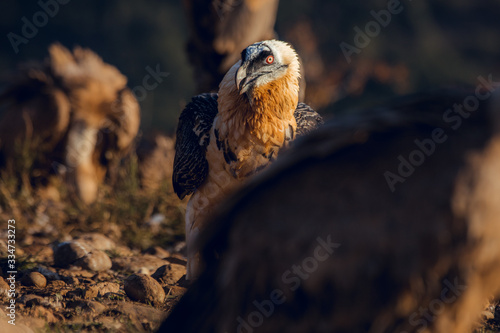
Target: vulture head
[266,63]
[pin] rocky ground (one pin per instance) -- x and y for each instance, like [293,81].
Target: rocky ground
[115,266]
[91,284]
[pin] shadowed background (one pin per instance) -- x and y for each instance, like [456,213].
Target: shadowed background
[428,44]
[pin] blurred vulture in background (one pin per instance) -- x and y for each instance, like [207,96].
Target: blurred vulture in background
[384,221]
[74,112]
[219,30]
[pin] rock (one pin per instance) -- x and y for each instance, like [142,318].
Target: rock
[30,300]
[487,315]
[78,292]
[109,324]
[57,284]
[143,270]
[97,241]
[71,280]
[49,273]
[100,289]
[34,279]
[92,307]
[142,312]
[103,276]
[169,274]
[108,287]
[91,292]
[143,288]
[82,274]
[95,261]
[123,251]
[85,280]
[134,264]
[67,253]
[46,314]
[4,287]
[158,252]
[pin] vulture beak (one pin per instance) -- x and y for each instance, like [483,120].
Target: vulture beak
[242,84]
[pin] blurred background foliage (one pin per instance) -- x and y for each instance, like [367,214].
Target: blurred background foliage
[429,44]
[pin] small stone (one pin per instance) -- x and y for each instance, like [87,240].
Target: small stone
[92,307]
[146,313]
[67,253]
[134,264]
[488,315]
[123,251]
[169,274]
[97,241]
[95,261]
[91,292]
[34,279]
[49,273]
[102,276]
[57,284]
[110,324]
[158,252]
[100,289]
[71,280]
[83,275]
[78,292]
[108,287]
[42,312]
[143,270]
[31,300]
[143,288]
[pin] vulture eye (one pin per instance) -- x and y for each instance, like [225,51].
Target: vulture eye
[270,59]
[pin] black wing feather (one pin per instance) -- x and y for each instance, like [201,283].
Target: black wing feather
[193,137]
[307,119]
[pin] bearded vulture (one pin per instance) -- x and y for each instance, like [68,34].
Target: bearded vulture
[75,113]
[224,138]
